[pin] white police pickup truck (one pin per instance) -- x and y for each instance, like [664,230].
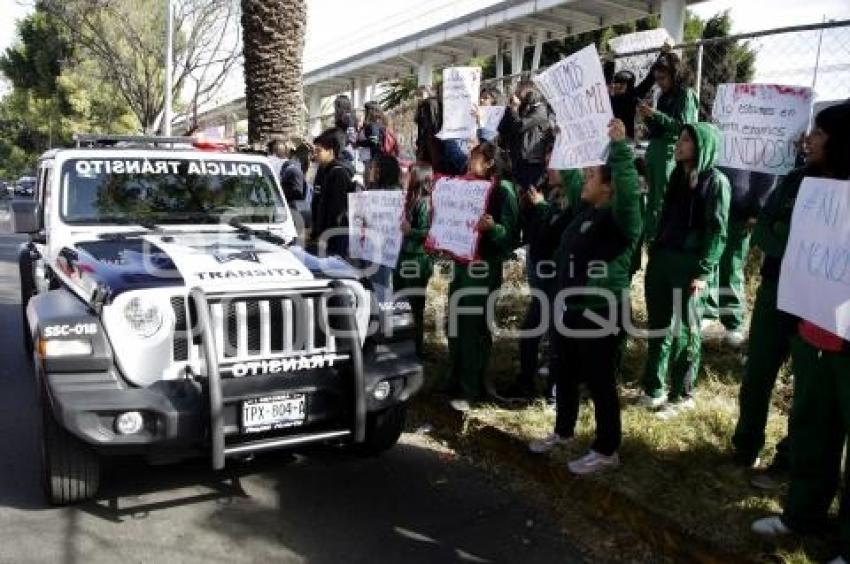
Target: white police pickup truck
[171,312]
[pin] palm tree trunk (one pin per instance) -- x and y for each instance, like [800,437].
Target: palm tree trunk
[273,47]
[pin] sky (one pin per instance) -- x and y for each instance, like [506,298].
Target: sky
[339,27]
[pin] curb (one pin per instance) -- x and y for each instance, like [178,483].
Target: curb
[471,436]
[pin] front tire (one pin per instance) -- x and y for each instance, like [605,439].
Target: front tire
[71,470]
[383,429]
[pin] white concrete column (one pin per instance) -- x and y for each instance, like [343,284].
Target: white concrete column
[538,49]
[425,70]
[500,61]
[517,51]
[373,90]
[358,96]
[673,18]
[314,105]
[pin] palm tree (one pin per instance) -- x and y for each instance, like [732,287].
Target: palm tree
[273,44]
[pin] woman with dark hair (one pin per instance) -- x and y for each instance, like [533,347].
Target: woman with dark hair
[677,105]
[819,422]
[345,127]
[526,130]
[414,264]
[469,348]
[429,121]
[371,135]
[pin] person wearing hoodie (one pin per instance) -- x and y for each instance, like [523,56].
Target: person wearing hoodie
[727,300]
[525,130]
[772,330]
[469,347]
[414,264]
[595,252]
[820,411]
[677,105]
[624,101]
[330,193]
[682,260]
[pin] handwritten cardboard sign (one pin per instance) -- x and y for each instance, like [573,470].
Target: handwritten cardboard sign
[491,117]
[815,279]
[457,205]
[374,220]
[639,65]
[760,124]
[576,90]
[461,86]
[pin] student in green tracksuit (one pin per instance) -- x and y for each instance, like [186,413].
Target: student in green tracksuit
[414,264]
[682,261]
[771,330]
[677,106]
[820,412]
[595,253]
[469,348]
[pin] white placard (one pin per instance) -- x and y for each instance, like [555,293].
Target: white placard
[576,90]
[491,117]
[461,86]
[457,205]
[639,65]
[374,225]
[815,279]
[760,124]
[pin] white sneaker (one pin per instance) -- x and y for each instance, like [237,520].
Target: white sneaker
[650,402]
[770,527]
[735,339]
[839,560]
[593,462]
[674,408]
[460,405]
[545,445]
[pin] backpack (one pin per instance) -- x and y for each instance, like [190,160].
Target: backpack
[389,143]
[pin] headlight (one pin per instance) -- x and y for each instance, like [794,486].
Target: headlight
[143,317]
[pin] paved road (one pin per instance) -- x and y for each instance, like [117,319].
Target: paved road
[414,504]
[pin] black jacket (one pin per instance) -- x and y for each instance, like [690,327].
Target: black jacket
[330,196]
[750,191]
[526,134]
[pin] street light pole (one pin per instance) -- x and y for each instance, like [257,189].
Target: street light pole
[169,63]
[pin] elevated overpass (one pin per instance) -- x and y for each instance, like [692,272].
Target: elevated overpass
[467,29]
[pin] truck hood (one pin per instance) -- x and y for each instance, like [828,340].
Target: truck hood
[218,263]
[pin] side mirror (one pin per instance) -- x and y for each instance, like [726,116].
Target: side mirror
[25,216]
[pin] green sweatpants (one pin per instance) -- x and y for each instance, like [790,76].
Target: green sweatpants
[727,299]
[470,346]
[411,279]
[771,331]
[820,422]
[674,322]
[659,166]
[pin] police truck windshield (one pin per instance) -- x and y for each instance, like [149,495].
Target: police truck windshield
[163,191]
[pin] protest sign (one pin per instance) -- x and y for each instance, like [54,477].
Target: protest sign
[491,117]
[457,205]
[576,90]
[374,220]
[460,98]
[639,65]
[815,280]
[760,123]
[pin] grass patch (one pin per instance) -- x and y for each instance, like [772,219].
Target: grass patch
[680,468]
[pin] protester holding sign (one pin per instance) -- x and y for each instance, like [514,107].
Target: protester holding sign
[469,347]
[682,260]
[771,330]
[595,252]
[677,105]
[820,413]
[414,264]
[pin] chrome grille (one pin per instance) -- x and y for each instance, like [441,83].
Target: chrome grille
[274,327]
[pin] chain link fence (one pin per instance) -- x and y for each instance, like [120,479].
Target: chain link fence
[815,55]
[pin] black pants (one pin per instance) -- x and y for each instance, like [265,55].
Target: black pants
[591,360]
[530,346]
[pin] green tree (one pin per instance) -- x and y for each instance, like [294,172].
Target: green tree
[724,60]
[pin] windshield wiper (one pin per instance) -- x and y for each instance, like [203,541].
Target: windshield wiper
[262,234]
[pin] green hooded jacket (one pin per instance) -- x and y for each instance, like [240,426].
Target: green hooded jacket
[695,220]
[608,233]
